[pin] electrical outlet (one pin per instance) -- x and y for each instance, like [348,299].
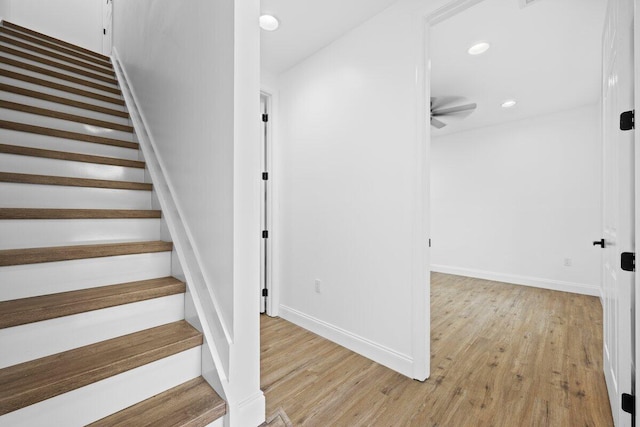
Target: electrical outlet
[318,283]
[567,262]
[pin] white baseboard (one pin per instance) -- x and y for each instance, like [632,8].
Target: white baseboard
[249,412]
[554,285]
[369,349]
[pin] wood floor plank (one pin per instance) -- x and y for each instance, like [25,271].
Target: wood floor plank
[501,355]
[63,88]
[54,46]
[68,253]
[95,68]
[22,127]
[64,116]
[61,100]
[35,213]
[36,309]
[23,178]
[73,157]
[40,379]
[57,75]
[192,404]
[54,40]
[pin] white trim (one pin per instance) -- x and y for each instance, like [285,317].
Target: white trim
[378,353]
[249,412]
[536,282]
[636,325]
[216,332]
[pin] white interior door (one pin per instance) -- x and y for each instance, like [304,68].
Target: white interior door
[107,26]
[619,205]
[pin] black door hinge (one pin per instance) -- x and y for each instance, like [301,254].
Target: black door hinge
[265,118]
[629,403]
[265,292]
[265,176]
[628,261]
[429,242]
[265,234]
[628,120]
[104,31]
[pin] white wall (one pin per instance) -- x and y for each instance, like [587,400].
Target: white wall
[511,202]
[194,68]
[75,21]
[347,162]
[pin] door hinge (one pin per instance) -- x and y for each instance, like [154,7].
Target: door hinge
[628,120]
[104,31]
[629,403]
[429,242]
[265,292]
[265,176]
[628,261]
[265,234]
[265,118]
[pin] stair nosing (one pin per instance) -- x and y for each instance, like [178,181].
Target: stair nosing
[53,46]
[20,150]
[40,130]
[24,178]
[57,75]
[76,368]
[45,307]
[52,39]
[57,56]
[64,214]
[60,87]
[63,101]
[9,257]
[46,112]
[56,64]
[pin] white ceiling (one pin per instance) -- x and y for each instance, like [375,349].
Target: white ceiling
[546,56]
[307,26]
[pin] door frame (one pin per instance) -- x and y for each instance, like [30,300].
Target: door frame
[636,101]
[106,5]
[273,300]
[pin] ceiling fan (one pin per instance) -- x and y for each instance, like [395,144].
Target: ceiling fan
[449,106]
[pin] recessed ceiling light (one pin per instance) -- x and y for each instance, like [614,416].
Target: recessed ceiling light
[479,48]
[509,103]
[269,23]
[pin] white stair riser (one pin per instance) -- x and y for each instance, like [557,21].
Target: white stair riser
[69,332]
[27,139]
[95,401]
[66,55]
[35,102]
[62,197]
[44,166]
[23,281]
[61,93]
[59,70]
[52,79]
[36,233]
[60,124]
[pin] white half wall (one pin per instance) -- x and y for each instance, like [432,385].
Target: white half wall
[74,21]
[518,201]
[346,158]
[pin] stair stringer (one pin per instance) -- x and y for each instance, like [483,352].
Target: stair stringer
[217,343]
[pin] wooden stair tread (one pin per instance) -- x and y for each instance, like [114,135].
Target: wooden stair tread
[57,75]
[35,309]
[60,100]
[23,127]
[57,86]
[74,157]
[59,48]
[36,213]
[54,40]
[57,56]
[23,178]
[56,64]
[68,253]
[190,404]
[64,116]
[37,380]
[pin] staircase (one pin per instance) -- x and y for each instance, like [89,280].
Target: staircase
[92,327]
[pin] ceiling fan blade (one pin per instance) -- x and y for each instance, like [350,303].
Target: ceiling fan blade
[454,110]
[437,123]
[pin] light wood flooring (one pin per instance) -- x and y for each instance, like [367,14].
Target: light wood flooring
[502,355]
